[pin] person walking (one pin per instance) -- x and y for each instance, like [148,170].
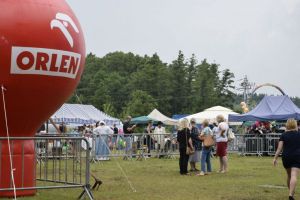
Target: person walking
[184,139]
[290,143]
[197,144]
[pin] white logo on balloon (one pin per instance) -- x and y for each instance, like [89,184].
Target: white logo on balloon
[62,22]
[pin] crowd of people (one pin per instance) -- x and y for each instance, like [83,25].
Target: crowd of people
[101,137]
[108,138]
[196,145]
[260,128]
[189,136]
[201,142]
[153,137]
[105,138]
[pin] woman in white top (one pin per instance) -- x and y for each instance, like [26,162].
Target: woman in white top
[221,140]
[102,133]
[159,136]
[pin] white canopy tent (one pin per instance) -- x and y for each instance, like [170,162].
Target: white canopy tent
[82,114]
[158,116]
[211,114]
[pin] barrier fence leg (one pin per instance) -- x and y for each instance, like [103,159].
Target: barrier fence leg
[97,184]
[86,191]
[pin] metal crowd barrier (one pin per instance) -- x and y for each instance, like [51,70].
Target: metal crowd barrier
[137,145]
[272,141]
[237,145]
[61,163]
[142,145]
[250,144]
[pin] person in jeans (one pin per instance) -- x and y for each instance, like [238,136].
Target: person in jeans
[184,139]
[290,143]
[197,144]
[206,151]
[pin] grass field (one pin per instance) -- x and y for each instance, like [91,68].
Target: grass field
[159,179]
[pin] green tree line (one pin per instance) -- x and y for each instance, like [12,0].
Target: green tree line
[124,83]
[127,84]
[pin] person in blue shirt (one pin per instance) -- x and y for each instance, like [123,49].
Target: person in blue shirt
[290,143]
[206,151]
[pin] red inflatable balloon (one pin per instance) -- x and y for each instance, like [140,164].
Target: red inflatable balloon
[42,56]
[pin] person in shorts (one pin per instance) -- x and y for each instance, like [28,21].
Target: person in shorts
[290,143]
[221,140]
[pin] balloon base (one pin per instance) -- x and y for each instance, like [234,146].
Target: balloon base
[23,161]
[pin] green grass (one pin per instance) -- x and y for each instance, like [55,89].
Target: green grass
[159,179]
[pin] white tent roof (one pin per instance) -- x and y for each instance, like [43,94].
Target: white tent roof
[158,116]
[211,114]
[81,114]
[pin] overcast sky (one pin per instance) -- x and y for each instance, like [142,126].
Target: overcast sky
[257,38]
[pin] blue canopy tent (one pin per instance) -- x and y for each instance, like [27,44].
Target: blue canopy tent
[270,108]
[179,116]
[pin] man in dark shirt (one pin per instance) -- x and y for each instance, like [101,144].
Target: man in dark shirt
[127,127]
[115,129]
[128,130]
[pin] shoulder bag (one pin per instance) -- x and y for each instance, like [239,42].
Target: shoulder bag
[208,141]
[230,135]
[189,150]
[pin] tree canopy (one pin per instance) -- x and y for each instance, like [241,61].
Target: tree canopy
[124,83]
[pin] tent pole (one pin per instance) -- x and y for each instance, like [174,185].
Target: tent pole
[55,126]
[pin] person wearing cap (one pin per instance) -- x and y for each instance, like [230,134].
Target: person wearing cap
[195,158]
[102,133]
[159,136]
